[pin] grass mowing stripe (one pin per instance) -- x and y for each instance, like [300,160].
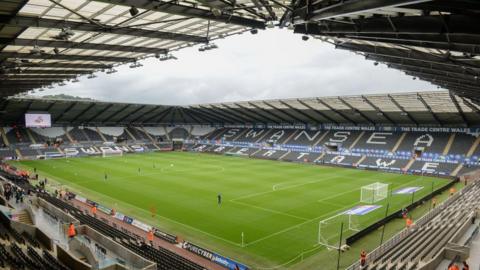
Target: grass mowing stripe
[185,197]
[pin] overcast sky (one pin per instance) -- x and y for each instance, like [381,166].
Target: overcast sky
[272,64]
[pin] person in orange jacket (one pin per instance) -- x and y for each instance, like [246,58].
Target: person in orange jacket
[94,210]
[150,237]
[409,222]
[71,231]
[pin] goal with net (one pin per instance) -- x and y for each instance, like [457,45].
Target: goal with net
[374,192]
[111,153]
[345,224]
[51,155]
[330,229]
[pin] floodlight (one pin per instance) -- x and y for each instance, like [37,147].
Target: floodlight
[133,11]
[403,114]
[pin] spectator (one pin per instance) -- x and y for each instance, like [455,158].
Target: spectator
[465,266]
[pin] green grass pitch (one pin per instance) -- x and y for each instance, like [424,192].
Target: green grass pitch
[277,205]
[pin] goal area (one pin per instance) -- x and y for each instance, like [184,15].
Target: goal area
[111,153]
[374,192]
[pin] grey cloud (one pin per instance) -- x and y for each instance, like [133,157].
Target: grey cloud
[272,64]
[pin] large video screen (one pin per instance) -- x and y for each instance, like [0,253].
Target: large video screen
[38,120]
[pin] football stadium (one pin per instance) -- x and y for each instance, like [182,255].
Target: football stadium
[384,181]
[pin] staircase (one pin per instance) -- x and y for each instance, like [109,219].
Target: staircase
[457,170]
[291,136]
[130,134]
[30,136]
[409,164]
[449,144]
[356,140]
[361,160]
[24,217]
[321,138]
[69,137]
[399,142]
[147,134]
[19,154]
[473,147]
[85,134]
[4,137]
[101,134]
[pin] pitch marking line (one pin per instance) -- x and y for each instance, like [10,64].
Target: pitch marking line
[269,210]
[293,186]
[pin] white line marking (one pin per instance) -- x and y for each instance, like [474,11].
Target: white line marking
[269,210]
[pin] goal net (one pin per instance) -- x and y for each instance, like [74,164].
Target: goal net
[374,192]
[111,153]
[330,229]
[51,155]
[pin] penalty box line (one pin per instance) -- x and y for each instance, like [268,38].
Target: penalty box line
[289,187]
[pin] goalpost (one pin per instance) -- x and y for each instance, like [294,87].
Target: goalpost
[111,153]
[51,155]
[374,192]
[329,229]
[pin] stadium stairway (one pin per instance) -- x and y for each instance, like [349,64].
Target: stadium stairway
[24,217]
[130,134]
[148,135]
[473,147]
[356,140]
[30,136]
[101,134]
[425,241]
[67,133]
[449,144]
[4,137]
[84,133]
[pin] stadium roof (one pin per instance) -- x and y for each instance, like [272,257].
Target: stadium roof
[48,41]
[438,108]
[436,41]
